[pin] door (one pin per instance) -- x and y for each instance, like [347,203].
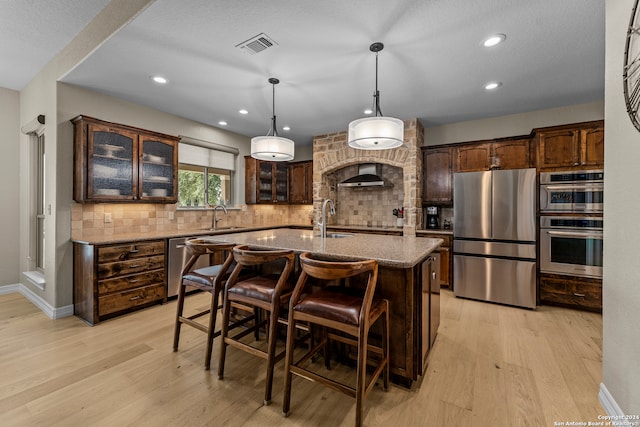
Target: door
[472,205]
[513,200]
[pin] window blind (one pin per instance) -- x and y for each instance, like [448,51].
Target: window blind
[213,156]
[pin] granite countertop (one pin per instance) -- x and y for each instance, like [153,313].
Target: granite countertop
[389,251]
[448,231]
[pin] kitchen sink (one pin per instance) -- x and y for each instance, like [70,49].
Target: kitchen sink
[338,235]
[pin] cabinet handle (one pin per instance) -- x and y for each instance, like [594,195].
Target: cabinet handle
[135,298]
[579,295]
[134,251]
[133,280]
[135,265]
[433,274]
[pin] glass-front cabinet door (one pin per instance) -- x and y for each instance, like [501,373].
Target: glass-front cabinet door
[265,182]
[111,165]
[282,183]
[157,173]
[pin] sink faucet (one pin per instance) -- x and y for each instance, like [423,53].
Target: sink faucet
[215,220]
[332,211]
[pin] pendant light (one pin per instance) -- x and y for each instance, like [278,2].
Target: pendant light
[272,147]
[376,133]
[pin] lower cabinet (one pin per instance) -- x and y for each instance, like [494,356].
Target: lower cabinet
[569,291]
[115,279]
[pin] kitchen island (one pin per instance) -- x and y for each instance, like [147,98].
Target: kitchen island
[405,276]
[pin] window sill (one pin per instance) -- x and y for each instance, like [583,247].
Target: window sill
[36,278]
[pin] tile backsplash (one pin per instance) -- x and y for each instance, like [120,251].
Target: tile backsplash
[88,219]
[368,206]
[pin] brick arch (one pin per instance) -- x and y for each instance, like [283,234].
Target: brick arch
[331,152]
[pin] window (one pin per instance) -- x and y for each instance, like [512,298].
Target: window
[194,190]
[205,174]
[38,241]
[37,205]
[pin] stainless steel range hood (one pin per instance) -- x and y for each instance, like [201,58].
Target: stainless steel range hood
[368,176]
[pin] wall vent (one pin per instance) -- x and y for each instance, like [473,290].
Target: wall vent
[257,44]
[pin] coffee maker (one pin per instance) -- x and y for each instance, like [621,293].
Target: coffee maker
[433,217]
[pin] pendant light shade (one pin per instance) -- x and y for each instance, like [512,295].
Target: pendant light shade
[379,132]
[272,147]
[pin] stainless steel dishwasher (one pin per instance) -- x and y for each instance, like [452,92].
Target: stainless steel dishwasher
[177,259]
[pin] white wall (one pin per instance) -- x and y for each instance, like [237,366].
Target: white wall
[513,124]
[621,284]
[9,171]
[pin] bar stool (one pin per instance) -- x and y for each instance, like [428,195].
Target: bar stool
[267,291]
[209,279]
[339,308]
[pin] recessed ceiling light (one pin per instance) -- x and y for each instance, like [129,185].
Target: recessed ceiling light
[494,40]
[368,111]
[160,80]
[286,128]
[222,123]
[492,85]
[243,111]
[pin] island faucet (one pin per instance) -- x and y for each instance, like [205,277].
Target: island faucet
[215,220]
[323,223]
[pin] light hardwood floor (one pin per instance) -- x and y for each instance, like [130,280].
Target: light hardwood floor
[491,366]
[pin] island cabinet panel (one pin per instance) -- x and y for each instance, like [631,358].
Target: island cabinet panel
[115,279]
[446,260]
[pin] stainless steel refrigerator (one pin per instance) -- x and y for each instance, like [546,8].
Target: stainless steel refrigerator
[494,246]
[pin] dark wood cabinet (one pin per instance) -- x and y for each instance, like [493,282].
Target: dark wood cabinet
[570,291]
[118,163]
[578,146]
[109,280]
[301,182]
[473,157]
[511,153]
[437,181]
[266,182]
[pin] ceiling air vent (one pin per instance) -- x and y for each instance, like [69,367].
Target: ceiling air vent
[257,44]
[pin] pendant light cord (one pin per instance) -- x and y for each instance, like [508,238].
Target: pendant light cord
[273,109]
[376,94]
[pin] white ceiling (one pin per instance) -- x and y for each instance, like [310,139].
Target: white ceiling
[433,66]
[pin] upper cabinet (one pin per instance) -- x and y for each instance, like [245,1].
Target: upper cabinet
[579,146]
[505,153]
[118,163]
[437,174]
[301,182]
[266,182]
[473,157]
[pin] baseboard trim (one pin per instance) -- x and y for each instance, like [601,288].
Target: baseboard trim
[43,305]
[608,402]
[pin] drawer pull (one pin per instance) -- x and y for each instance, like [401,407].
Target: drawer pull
[135,265]
[134,251]
[579,295]
[133,280]
[135,298]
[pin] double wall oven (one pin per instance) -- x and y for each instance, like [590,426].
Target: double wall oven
[571,223]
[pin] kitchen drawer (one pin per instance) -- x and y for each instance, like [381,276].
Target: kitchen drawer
[130,251]
[121,301]
[113,269]
[131,281]
[571,291]
[446,238]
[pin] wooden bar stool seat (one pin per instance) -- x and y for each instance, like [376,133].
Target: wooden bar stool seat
[266,290]
[349,310]
[208,279]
